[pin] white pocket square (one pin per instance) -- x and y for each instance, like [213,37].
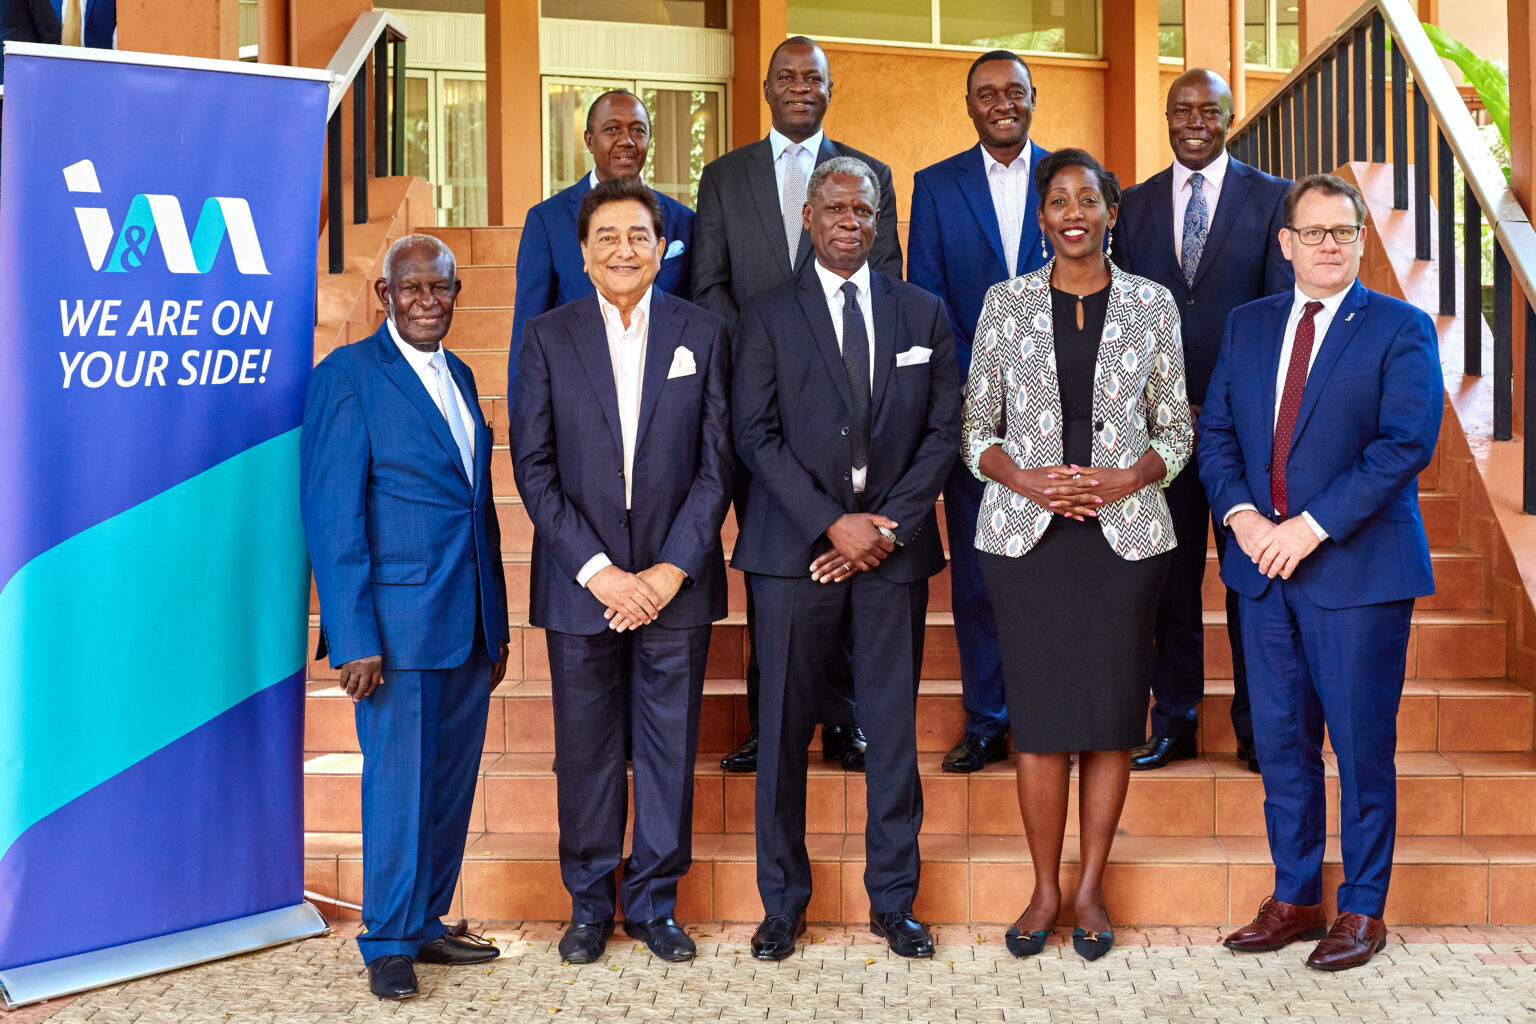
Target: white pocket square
[682,363]
[914,355]
[674,248]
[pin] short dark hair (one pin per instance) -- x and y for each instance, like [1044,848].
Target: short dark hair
[796,41]
[1056,162]
[618,190]
[1328,184]
[991,55]
[592,107]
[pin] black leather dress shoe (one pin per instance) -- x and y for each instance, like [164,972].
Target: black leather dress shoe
[775,937]
[1160,751]
[663,937]
[1248,754]
[845,743]
[974,752]
[452,949]
[905,934]
[744,757]
[392,977]
[583,943]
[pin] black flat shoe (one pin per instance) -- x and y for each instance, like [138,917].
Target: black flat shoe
[974,752]
[392,977]
[905,934]
[455,949]
[583,943]
[1248,754]
[1161,751]
[663,937]
[1092,945]
[775,937]
[1022,944]
[845,743]
[744,757]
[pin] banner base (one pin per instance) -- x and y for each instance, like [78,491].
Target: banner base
[68,975]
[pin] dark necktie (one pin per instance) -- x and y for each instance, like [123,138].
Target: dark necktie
[856,365]
[1290,405]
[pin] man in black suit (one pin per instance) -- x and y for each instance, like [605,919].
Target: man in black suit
[846,401]
[1207,228]
[747,238]
[622,449]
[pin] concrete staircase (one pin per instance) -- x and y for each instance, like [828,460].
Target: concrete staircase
[1191,849]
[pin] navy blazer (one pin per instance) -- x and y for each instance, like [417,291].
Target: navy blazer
[405,548]
[954,248]
[1367,426]
[790,402]
[1242,260]
[568,456]
[549,264]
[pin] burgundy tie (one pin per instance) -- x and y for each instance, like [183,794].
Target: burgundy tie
[1290,405]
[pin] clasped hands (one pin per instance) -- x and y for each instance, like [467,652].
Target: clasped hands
[1275,549]
[1074,491]
[361,676]
[857,546]
[634,599]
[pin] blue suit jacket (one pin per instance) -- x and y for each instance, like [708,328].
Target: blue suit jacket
[1369,417]
[1242,260]
[954,248]
[791,408]
[568,455]
[406,549]
[549,268]
[40,21]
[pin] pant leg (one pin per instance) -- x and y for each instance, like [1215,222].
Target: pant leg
[397,731]
[1358,658]
[1178,654]
[1242,714]
[888,622]
[667,685]
[464,700]
[834,680]
[981,663]
[591,784]
[797,621]
[1288,728]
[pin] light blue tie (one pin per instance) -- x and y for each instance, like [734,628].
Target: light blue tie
[450,402]
[1196,227]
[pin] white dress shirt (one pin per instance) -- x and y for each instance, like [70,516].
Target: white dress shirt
[832,285]
[421,362]
[626,352]
[1320,321]
[807,157]
[1010,194]
[1212,175]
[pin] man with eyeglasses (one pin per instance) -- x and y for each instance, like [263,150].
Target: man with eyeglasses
[1323,409]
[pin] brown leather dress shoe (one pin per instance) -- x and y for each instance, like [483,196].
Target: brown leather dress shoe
[1351,942]
[1277,924]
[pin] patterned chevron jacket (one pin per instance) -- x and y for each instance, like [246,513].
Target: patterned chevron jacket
[1139,401]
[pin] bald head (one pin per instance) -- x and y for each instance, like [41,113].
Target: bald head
[418,290]
[1199,114]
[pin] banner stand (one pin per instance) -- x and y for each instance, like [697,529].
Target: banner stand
[20,986]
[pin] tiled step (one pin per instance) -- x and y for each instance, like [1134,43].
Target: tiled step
[482,245]
[1208,880]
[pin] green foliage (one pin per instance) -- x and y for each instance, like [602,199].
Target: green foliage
[1490,80]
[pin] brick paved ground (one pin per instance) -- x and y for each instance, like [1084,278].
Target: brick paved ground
[1467,975]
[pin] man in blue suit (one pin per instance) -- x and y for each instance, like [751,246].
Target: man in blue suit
[1322,411]
[974,224]
[85,22]
[1208,229]
[396,499]
[549,256]
[622,448]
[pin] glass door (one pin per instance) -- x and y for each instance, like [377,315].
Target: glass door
[445,141]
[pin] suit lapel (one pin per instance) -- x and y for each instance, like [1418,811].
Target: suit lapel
[405,378]
[1234,192]
[1341,329]
[1272,337]
[825,153]
[813,302]
[1163,228]
[765,196]
[589,337]
[660,343]
[1029,236]
[883,296]
[973,185]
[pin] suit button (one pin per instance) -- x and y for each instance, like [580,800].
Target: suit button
[624,521]
[845,431]
[847,476]
[621,472]
[1189,301]
[1098,424]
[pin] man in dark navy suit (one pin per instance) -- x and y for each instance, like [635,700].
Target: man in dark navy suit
[549,260]
[847,415]
[974,223]
[1207,228]
[1323,409]
[71,22]
[395,493]
[622,450]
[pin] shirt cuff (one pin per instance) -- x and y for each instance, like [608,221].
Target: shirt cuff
[1243,506]
[595,564]
[1322,534]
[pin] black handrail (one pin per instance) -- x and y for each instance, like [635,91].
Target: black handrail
[388,135]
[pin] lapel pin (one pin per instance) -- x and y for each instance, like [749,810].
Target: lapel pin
[1349,318]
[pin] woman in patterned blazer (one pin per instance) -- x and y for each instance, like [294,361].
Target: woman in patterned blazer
[1076,416]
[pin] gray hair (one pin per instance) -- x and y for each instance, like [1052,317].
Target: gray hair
[849,165]
[417,241]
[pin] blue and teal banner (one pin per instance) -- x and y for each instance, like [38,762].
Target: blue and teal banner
[158,230]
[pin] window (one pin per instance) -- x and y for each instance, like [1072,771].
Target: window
[1271,33]
[1170,29]
[445,125]
[1032,26]
[686,13]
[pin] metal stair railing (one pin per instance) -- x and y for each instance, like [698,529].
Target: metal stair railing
[1333,108]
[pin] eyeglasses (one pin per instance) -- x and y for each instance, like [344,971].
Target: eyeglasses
[1343,234]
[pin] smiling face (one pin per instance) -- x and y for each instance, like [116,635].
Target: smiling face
[1001,104]
[1199,114]
[620,135]
[841,220]
[1073,213]
[622,251]
[1326,268]
[798,89]
[420,295]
